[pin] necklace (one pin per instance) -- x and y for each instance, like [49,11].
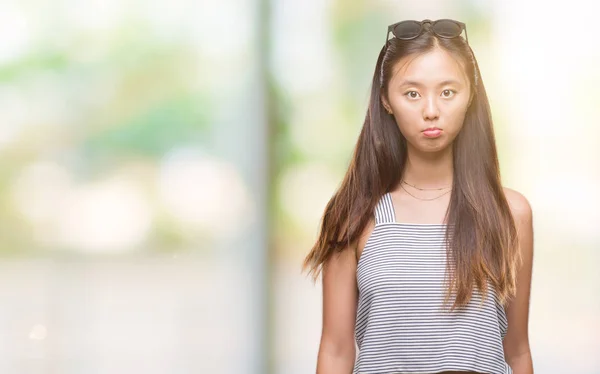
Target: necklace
[424,189]
[419,198]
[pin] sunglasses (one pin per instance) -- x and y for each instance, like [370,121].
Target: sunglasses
[410,29]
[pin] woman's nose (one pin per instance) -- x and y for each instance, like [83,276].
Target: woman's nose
[431,110]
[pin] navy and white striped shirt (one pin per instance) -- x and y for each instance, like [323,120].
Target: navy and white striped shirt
[400,324]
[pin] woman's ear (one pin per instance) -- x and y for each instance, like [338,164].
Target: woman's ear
[385,104]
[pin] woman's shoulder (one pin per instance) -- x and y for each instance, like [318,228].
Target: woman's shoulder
[364,236]
[518,203]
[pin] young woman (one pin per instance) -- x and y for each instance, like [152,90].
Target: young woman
[426,258]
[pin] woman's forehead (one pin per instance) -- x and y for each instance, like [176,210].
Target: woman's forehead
[429,68]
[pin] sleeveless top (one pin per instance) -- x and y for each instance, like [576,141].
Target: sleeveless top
[400,324]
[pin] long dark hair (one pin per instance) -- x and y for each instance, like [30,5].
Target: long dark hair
[481,235]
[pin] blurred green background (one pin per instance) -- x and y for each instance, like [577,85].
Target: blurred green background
[164,167]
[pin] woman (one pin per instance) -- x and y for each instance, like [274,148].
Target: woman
[426,258]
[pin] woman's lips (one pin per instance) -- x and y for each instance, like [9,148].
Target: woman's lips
[432,132]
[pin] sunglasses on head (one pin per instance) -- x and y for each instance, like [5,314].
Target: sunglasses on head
[410,29]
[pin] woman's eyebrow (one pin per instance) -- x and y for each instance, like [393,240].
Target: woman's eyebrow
[419,84]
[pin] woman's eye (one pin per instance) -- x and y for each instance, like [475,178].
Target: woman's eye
[410,94]
[448,93]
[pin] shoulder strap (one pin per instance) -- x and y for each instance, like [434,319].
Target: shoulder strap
[384,210]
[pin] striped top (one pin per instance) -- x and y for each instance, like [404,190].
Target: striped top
[400,325]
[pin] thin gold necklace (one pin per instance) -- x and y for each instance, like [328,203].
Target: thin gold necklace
[419,198]
[424,189]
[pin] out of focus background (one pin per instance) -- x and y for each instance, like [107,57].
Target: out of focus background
[164,166]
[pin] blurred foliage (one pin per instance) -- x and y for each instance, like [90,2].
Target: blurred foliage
[128,96]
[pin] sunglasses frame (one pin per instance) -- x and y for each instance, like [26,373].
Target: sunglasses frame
[432,23]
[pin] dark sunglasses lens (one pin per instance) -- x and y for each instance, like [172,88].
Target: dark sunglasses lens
[407,30]
[447,29]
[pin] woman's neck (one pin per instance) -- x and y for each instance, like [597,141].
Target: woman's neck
[429,170]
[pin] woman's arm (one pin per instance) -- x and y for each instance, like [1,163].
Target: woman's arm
[337,350]
[516,341]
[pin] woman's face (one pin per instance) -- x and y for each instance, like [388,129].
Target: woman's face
[428,95]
